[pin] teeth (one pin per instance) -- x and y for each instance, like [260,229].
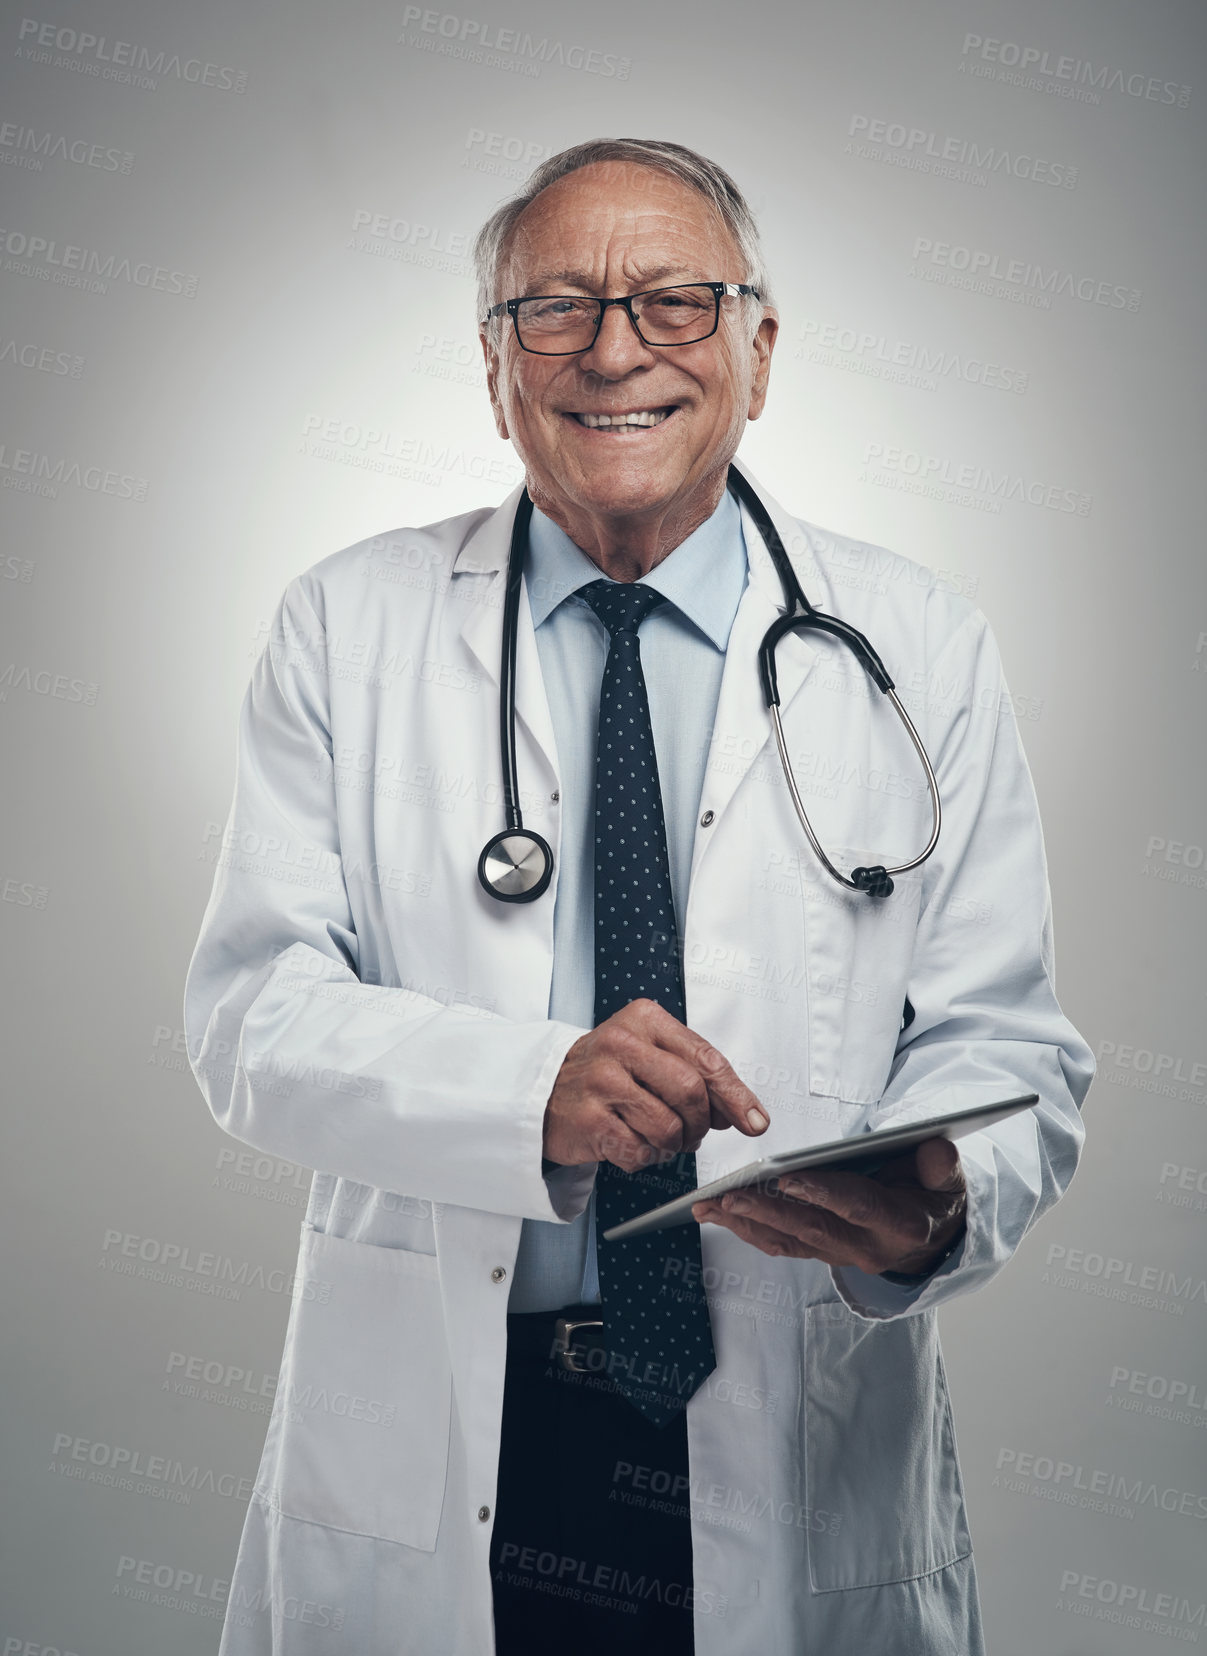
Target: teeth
[647,417]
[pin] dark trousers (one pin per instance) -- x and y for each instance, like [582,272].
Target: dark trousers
[591,1551]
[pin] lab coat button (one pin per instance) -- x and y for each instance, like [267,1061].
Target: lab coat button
[498,1274]
[483,1514]
[707,820]
[555,796]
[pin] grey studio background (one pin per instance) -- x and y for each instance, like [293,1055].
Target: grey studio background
[238,333]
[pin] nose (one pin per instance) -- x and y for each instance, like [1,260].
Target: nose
[618,347]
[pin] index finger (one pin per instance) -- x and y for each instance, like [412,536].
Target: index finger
[731,1100]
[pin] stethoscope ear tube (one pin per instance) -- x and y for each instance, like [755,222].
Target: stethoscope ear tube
[855,641]
[875,881]
[767,673]
[936,804]
[816,621]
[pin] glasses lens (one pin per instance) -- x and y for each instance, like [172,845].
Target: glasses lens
[676,316]
[560,323]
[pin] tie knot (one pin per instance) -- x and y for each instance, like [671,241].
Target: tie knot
[621,605]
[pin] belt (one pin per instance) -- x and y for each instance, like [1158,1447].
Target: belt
[571,1337]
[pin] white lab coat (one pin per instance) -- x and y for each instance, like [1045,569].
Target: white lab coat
[357,1004]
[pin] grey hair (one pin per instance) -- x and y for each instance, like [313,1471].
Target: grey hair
[687,165]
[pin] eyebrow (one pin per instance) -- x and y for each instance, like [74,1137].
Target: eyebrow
[583,279]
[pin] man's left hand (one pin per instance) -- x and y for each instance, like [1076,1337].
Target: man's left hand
[901,1218]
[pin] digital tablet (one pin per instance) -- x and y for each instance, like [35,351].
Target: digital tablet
[860,1153]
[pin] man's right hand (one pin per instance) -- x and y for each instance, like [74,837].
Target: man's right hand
[640,1085]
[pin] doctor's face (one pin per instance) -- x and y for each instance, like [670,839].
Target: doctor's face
[614,229]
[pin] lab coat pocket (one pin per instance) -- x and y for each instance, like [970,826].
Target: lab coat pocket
[858,952]
[880,1456]
[359,1439]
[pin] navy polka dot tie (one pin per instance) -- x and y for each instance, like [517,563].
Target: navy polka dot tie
[655,1314]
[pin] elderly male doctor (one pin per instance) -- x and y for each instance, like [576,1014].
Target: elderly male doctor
[493,1429]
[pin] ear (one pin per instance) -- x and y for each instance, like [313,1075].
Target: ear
[490,354]
[761,347]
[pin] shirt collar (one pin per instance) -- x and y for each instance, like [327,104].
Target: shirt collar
[703,577]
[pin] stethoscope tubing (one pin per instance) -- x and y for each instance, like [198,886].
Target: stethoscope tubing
[799,616]
[935,803]
[810,619]
[507,665]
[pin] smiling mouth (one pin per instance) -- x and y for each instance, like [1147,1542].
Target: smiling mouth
[641,419]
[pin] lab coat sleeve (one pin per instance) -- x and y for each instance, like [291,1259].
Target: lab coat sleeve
[294,1054]
[987,1024]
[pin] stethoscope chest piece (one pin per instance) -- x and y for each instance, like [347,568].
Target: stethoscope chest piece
[516,866]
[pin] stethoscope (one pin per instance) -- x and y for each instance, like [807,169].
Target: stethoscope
[516,865]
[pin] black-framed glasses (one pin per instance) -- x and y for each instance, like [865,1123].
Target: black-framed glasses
[563,324]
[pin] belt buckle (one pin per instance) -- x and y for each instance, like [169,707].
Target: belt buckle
[563,1330]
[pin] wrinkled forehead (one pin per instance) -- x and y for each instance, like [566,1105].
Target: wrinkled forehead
[617,221]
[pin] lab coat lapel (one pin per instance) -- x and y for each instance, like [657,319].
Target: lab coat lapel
[485,554]
[742,727]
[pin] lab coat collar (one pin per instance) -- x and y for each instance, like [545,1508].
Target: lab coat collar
[485,552]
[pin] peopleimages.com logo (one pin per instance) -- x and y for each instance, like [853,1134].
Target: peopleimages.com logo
[963,266]
[1058,73]
[87,267]
[121,60]
[478,41]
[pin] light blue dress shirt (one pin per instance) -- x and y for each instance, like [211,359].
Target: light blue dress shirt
[683,654]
